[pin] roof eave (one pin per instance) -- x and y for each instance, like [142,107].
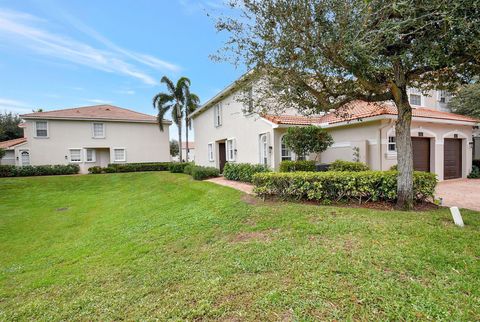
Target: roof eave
[45,117]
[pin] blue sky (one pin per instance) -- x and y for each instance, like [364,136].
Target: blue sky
[56,54]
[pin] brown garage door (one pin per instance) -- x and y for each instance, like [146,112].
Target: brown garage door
[421,154]
[452,159]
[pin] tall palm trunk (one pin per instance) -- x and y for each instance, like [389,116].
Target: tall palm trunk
[179,127]
[186,138]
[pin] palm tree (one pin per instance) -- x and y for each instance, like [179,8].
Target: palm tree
[174,99]
[192,103]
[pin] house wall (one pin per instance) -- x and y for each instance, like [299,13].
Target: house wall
[8,158]
[245,129]
[143,142]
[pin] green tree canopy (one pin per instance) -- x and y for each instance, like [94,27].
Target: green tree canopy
[174,148]
[306,140]
[9,126]
[321,54]
[467,101]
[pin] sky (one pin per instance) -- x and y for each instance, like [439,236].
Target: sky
[58,54]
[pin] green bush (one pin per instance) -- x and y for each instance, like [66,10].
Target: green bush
[242,171]
[394,167]
[188,168]
[202,173]
[340,165]
[41,170]
[135,167]
[475,174]
[95,170]
[341,186]
[300,165]
[178,167]
[110,170]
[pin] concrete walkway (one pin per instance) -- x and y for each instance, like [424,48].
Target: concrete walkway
[242,186]
[463,193]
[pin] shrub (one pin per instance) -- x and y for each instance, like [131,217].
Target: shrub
[475,174]
[110,169]
[189,168]
[178,167]
[41,170]
[95,170]
[394,167]
[141,166]
[341,186]
[202,173]
[300,165]
[340,165]
[242,171]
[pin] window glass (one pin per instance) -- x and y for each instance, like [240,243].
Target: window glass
[230,150]
[210,152]
[119,154]
[392,144]
[286,152]
[98,130]
[90,155]
[415,99]
[75,155]
[42,129]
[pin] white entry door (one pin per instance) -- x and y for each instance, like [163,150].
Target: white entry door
[25,158]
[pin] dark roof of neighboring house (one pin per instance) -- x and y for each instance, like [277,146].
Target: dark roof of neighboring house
[359,110]
[96,112]
[12,143]
[191,145]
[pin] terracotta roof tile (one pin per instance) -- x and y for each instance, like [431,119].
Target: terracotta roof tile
[191,145]
[12,143]
[359,110]
[96,112]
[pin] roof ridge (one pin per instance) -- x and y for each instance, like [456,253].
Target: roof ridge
[87,106]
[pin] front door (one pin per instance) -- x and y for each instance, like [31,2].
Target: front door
[25,158]
[452,159]
[421,154]
[222,155]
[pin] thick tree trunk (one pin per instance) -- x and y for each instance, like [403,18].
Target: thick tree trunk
[403,140]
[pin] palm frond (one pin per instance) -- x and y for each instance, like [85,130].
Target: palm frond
[161,114]
[161,99]
[183,85]
[170,86]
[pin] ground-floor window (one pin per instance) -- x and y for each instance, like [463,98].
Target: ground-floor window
[392,144]
[286,153]
[119,155]
[90,155]
[210,152]
[264,149]
[231,150]
[75,155]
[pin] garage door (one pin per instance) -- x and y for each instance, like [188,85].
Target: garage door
[452,159]
[421,154]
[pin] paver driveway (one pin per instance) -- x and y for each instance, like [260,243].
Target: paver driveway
[463,193]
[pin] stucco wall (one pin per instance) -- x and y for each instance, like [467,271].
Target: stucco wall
[9,158]
[143,142]
[245,129]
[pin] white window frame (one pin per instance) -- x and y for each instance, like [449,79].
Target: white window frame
[94,155]
[282,157]
[47,129]
[21,160]
[93,130]
[442,96]
[124,155]
[393,143]
[217,115]
[230,149]
[264,149]
[210,151]
[70,155]
[410,99]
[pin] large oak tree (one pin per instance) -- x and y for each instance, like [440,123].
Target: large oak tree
[321,54]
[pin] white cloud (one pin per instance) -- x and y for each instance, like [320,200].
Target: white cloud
[98,101]
[126,91]
[30,32]
[14,106]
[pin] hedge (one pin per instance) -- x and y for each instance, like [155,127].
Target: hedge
[178,167]
[202,173]
[189,168]
[135,167]
[300,165]
[40,170]
[242,171]
[341,186]
[340,165]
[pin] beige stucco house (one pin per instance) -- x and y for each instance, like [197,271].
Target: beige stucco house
[227,131]
[89,136]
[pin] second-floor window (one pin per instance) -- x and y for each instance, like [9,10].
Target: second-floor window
[98,130]
[217,114]
[415,99]
[41,129]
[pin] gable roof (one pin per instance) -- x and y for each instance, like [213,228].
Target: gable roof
[359,110]
[11,143]
[96,112]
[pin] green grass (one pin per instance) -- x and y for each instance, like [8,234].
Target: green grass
[140,246]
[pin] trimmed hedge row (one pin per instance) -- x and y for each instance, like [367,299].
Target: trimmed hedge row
[242,171]
[299,165]
[178,167]
[340,165]
[202,173]
[131,167]
[40,170]
[341,186]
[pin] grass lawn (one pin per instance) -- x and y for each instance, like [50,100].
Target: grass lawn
[140,246]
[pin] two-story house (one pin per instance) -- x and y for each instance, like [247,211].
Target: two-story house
[90,136]
[227,131]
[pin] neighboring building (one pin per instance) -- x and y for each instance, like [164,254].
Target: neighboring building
[9,147]
[191,152]
[90,136]
[225,131]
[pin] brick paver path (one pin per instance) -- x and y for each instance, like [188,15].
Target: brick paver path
[242,186]
[463,193]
